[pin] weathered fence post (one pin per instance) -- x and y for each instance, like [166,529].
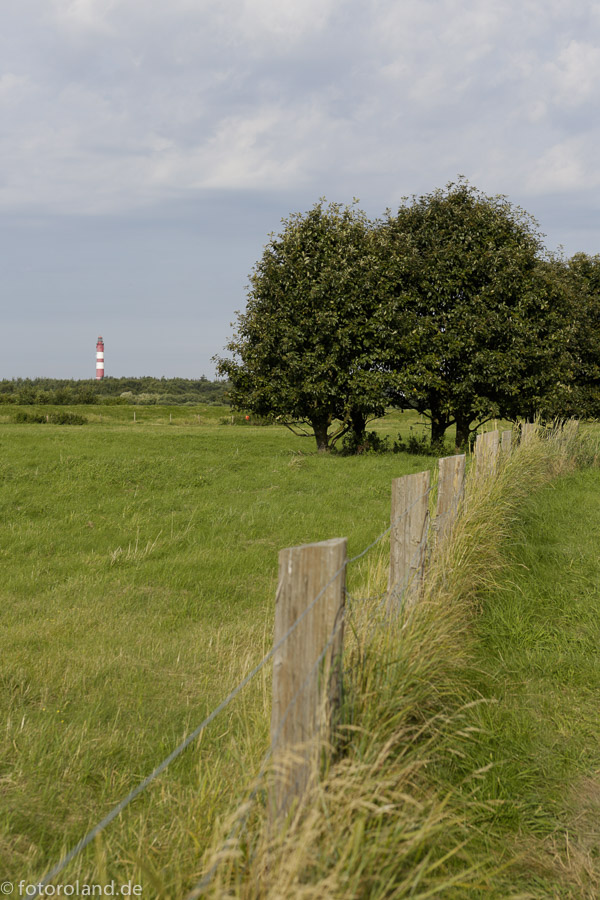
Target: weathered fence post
[527,430]
[486,452]
[307,667]
[451,483]
[408,537]
[506,445]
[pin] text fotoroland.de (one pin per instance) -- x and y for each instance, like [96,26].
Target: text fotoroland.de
[76,889]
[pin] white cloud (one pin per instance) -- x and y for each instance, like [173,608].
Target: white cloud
[291,20]
[85,15]
[576,73]
[570,165]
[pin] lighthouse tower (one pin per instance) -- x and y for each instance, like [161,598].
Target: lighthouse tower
[100,359]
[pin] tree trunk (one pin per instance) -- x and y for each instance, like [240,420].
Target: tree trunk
[321,428]
[462,431]
[439,421]
[359,423]
[438,429]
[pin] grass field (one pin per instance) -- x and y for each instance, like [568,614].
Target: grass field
[139,566]
[138,581]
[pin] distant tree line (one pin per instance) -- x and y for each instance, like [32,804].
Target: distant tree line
[452,307]
[140,391]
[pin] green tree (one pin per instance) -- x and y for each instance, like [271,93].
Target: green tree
[308,347]
[582,276]
[476,323]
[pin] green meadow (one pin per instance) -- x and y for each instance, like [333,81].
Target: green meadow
[139,564]
[138,580]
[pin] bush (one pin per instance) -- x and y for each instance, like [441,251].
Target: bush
[420,446]
[369,442]
[65,418]
[30,418]
[242,420]
[61,418]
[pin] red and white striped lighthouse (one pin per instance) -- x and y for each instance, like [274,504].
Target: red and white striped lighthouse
[100,359]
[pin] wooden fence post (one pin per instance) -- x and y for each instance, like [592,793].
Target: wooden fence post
[486,452]
[306,690]
[451,484]
[506,445]
[408,537]
[527,430]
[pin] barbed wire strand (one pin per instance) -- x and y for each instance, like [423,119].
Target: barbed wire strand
[89,837]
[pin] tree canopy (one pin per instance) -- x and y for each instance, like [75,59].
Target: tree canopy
[478,326]
[308,347]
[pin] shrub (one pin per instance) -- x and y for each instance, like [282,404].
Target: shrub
[420,446]
[242,420]
[65,418]
[30,418]
[369,442]
[61,418]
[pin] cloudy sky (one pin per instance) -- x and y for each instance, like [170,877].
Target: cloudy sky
[147,150]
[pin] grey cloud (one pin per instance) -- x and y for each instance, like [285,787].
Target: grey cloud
[134,103]
[196,123]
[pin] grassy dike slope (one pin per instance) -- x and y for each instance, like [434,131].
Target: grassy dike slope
[538,651]
[138,581]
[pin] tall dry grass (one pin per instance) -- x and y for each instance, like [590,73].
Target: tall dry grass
[376,824]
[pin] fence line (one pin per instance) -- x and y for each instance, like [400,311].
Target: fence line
[408,496]
[199,888]
[135,792]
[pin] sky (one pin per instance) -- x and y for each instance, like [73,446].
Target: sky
[147,150]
